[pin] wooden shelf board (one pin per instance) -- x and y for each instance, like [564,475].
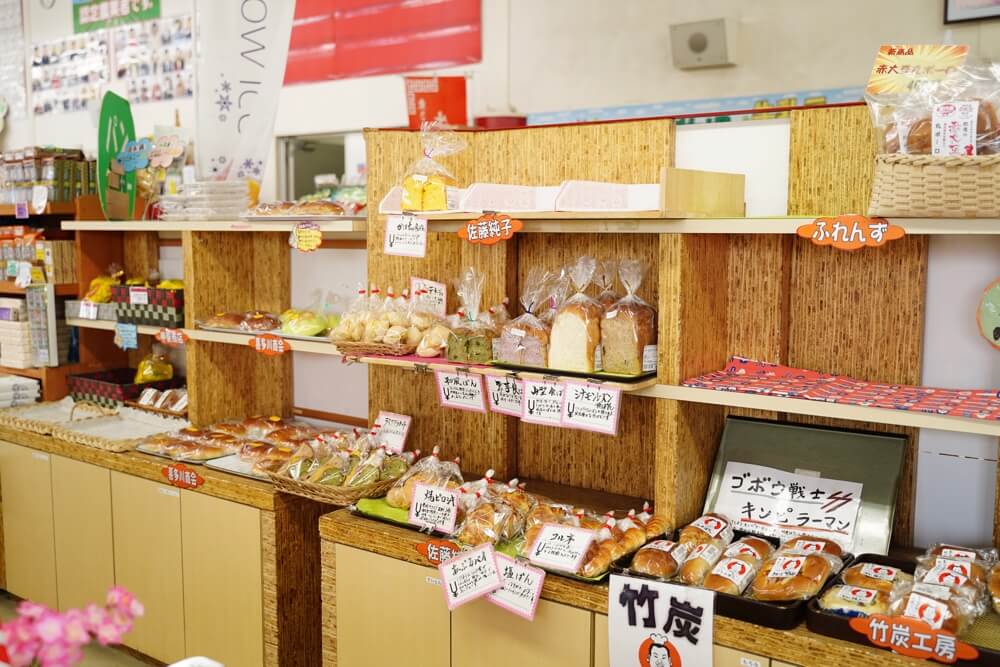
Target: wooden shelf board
[618,222]
[802,406]
[64,289]
[798,646]
[109,325]
[55,208]
[350,227]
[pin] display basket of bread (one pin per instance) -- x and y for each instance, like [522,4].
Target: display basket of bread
[953,589]
[113,430]
[939,144]
[41,418]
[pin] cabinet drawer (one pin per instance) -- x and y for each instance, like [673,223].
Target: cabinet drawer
[601,656]
[729,657]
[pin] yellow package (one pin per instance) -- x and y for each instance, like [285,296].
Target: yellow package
[425,186]
[100,289]
[171,284]
[154,368]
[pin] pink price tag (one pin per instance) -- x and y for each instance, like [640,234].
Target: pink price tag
[506,395]
[521,589]
[393,429]
[461,391]
[543,402]
[591,407]
[469,575]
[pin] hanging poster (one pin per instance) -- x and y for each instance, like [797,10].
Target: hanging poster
[155,59]
[115,186]
[91,15]
[69,74]
[14,92]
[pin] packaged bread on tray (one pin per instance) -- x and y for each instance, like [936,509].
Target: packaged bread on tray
[730,575]
[471,338]
[604,280]
[699,563]
[428,185]
[430,470]
[850,600]
[576,330]
[654,525]
[994,587]
[871,575]
[659,558]
[714,528]
[797,570]
[937,606]
[752,550]
[629,327]
[524,340]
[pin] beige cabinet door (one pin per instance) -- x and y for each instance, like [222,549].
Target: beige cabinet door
[223,617]
[601,656]
[778,663]
[389,612]
[81,507]
[28,534]
[484,635]
[147,539]
[723,656]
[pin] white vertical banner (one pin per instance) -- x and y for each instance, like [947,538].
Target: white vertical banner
[242,49]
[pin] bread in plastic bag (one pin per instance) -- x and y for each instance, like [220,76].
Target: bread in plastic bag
[753,550]
[791,576]
[872,575]
[851,601]
[524,340]
[711,527]
[427,182]
[471,338]
[154,367]
[99,290]
[576,329]
[937,606]
[429,470]
[629,327]
[660,558]
[731,575]
[810,544]
[602,552]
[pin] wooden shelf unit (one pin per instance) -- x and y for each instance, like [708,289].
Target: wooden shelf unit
[350,227]
[8,288]
[53,208]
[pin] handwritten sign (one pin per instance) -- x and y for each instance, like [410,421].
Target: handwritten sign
[656,624]
[434,508]
[469,575]
[306,237]
[521,587]
[772,502]
[406,236]
[462,391]
[506,395]
[430,295]
[393,429]
[438,551]
[591,407]
[561,548]
[174,338]
[913,638]
[126,336]
[182,476]
[138,296]
[490,229]
[850,232]
[543,401]
[269,344]
[88,310]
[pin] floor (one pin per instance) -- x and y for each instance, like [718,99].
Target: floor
[94,655]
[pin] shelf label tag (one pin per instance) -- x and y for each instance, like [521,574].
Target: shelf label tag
[23,277]
[543,402]
[405,235]
[591,407]
[438,551]
[174,338]
[430,295]
[434,507]
[269,344]
[393,429]
[182,476]
[561,548]
[460,390]
[914,638]
[521,587]
[469,575]
[490,229]
[850,232]
[88,310]
[39,198]
[654,623]
[21,210]
[306,237]
[138,296]
[126,336]
[506,395]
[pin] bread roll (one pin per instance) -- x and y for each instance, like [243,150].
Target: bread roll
[730,575]
[699,563]
[225,321]
[661,558]
[949,614]
[879,577]
[807,544]
[793,577]
[994,587]
[752,550]
[598,559]
[854,601]
[709,528]
[656,525]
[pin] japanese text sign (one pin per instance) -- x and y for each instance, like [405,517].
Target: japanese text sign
[772,502]
[460,390]
[269,344]
[561,548]
[469,575]
[591,407]
[434,507]
[393,429]
[506,395]
[850,232]
[138,296]
[126,336]
[99,14]
[655,624]
[306,237]
[898,65]
[182,476]
[543,401]
[429,295]
[438,551]
[913,638]
[521,587]
[171,337]
[953,128]
[405,235]
[88,310]
[490,228]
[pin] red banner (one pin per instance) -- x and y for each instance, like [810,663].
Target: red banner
[440,98]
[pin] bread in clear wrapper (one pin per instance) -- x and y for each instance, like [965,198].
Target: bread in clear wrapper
[524,340]
[699,562]
[872,575]
[604,280]
[660,558]
[788,577]
[731,575]
[752,550]
[809,544]
[937,606]
[471,337]
[576,329]
[711,527]
[427,181]
[850,601]
[430,471]
[629,327]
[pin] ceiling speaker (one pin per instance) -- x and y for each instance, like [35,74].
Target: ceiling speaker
[703,44]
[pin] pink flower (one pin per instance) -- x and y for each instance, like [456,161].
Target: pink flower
[31,609]
[94,617]
[75,630]
[120,598]
[109,633]
[22,630]
[136,609]
[50,627]
[55,654]
[20,654]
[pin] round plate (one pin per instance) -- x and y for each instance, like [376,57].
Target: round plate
[988,314]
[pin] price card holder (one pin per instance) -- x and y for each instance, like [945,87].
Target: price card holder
[543,402]
[521,587]
[560,548]
[434,508]
[469,575]
[429,294]
[393,429]
[126,336]
[21,210]
[462,391]
[591,407]
[405,236]
[88,310]
[138,296]
[506,395]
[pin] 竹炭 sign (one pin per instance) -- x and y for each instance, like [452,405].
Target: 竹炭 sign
[91,15]
[850,232]
[655,624]
[269,344]
[182,476]
[170,337]
[915,638]
[115,187]
[490,228]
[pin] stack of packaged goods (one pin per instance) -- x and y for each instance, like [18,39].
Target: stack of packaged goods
[64,172]
[16,390]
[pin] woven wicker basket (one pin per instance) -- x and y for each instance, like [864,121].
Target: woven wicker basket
[353,349]
[95,441]
[13,417]
[927,186]
[332,495]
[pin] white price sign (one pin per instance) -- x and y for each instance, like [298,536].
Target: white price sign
[138,296]
[88,310]
[543,402]
[506,395]
[521,589]
[462,391]
[405,235]
[433,507]
[429,294]
[393,429]
[659,625]
[591,407]
[772,502]
[469,575]
[561,548]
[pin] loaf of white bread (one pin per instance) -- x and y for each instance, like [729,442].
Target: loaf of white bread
[576,333]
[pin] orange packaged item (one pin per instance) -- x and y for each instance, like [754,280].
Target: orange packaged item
[994,587]
[603,551]
[752,550]
[660,558]
[879,577]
